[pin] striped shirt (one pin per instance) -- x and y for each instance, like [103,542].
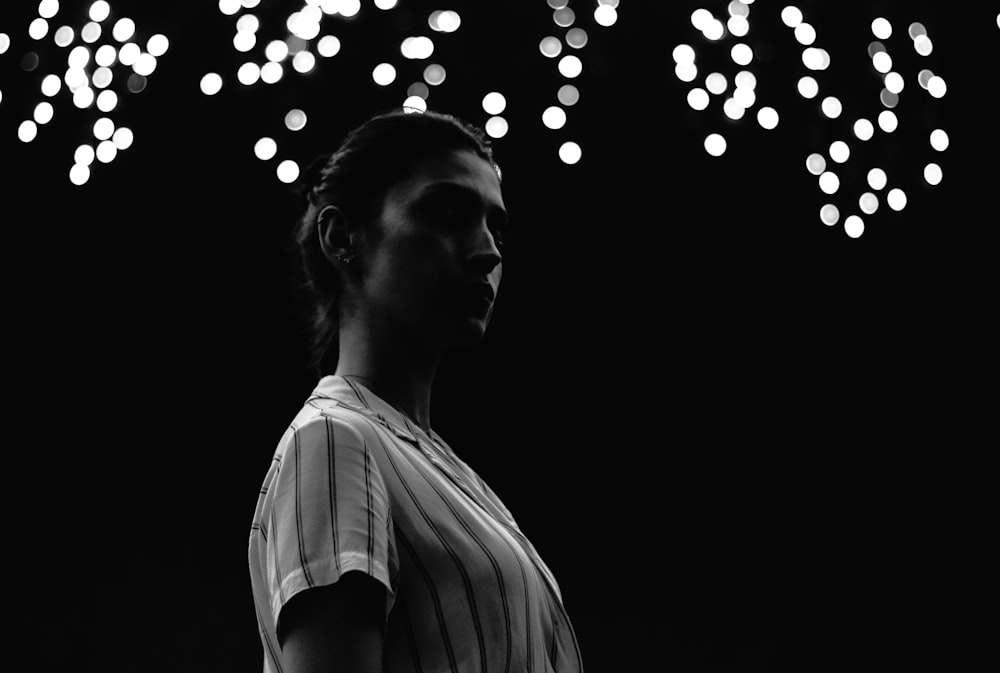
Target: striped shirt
[355,486]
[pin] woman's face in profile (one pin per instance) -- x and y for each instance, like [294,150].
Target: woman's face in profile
[434,268]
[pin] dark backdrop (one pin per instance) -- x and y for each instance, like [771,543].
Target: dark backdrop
[741,440]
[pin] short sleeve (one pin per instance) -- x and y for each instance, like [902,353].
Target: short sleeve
[329,513]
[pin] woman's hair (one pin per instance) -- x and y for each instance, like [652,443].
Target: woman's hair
[355,178]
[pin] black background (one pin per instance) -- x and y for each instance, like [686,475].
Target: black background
[740,439]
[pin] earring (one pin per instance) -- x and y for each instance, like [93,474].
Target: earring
[345,259]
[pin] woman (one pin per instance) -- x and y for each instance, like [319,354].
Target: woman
[374,547]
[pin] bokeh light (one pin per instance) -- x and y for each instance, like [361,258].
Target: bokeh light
[683,53]
[923,77]
[244,41]
[840,152]
[106,151]
[916,30]
[933,174]
[554,117]
[733,110]
[211,83]
[829,183]
[686,72]
[38,29]
[882,62]
[868,203]
[145,65]
[744,97]
[384,74]
[248,74]
[700,18]
[854,226]
[741,54]
[304,61]
[288,171]
[494,103]
[83,97]
[75,78]
[444,21]
[496,127]
[99,11]
[698,98]
[767,117]
[107,101]
[271,72]
[91,32]
[576,38]
[550,46]
[123,138]
[714,30]
[136,83]
[745,80]
[43,112]
[894,82]
[64,36]
[349,8]
[4,42]
[715,144]
[570,152]
[124,29]
[605,15]
[229,7]
[79,57]
[815,58]
[48,8]
[385,4]
[414,104]
[129,53]
[418,89]
[564,17]
[84,155]
[716,83]
[864,129]
[295,120]
[570,66]
[265,149]
[51,85]
[79,174]
[888,121]
[829,214]
[106,55]
[896,199]
[158,45]
[939,140]
[816,163]
[103,128]
[936,87]
[568,95]
[808,87]
[738,26]
[791,16]
[434,74]
[832,107]
[248,23]
[923,45]
[328,45]
[805,34]
[417,48]
[877,179]
[277,50]
[881,28]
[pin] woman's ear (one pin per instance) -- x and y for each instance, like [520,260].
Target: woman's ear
[335,236]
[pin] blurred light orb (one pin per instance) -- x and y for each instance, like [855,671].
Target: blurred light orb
[124,29]
[745,80]
[250,4]
[832,107]
[576,38]
[570,152]
[686,72]
[733,109]
[937,87]
[79,174]
[881,28]
[99,11]
[418,89]
[864,129]
[791,16]
[605,15]
[933,174]
[739,8]
[244,41]
[808,87]
[328,45]
[445,21]
[557,4]
[75,78]
[896,199]
[38,29]
[840,152]
[923,77]
[888,98]
[288,171]
[277,50]
[158,45]
[868,203]
[816,163]
[106,151]
[744,97]
[229,7]
[815,58]
[384,74]
[829,183]
[939,140]
[698,98]
[564,17]
[923,45]
[738,26]
[550,46]
[265,149]
[304,61]
[494,103]
[43,112]
[64,36]
[79,57]
[805,34]
[877,179]
[83,97]
[51,85]
[385,4]
[434,74]
[568,95]
[4,42]
[894,82]
[145,65]
[414,104]
[106,55]
[741,54]
[554,117]
[767,117]
[714,31]
[854,226]
[829,214]
[91,32]
[129,53]
[211,83]
[107,101]
[496,127]
[271,72]
[882,62]
[417,48]
[888,121]
[48,8]
[136,83]
[700,18]
[349,8]
[716,83]
[715,145]
[683,53]
[248,74]
[84,155]
[916,30]
[103,128]
[295,120]
[248,23]
[570,66]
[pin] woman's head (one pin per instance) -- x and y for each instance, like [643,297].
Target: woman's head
[402,228]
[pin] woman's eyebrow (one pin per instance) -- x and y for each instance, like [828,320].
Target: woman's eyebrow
[462,191]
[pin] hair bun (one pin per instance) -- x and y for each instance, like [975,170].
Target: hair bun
[311,176]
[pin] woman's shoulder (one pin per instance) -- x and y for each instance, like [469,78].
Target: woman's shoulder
[321,419]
